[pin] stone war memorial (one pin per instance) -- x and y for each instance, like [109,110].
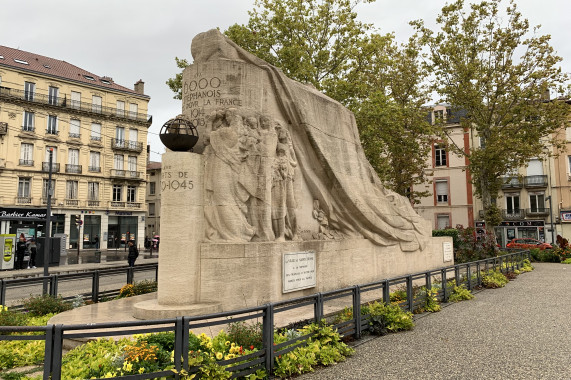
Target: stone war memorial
[276,200]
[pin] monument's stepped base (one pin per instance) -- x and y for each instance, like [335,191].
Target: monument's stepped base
[236,276]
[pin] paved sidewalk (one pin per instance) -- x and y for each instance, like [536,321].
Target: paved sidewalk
[522,331]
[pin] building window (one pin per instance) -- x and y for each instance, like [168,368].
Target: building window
[439,155]
[537,202]
[45,188]
[24,187]
[151,209]
[96,104]
[441,191]
[131,193]
[133,109]
[29,90]
[117,193]
[96,131]
[75,99]
[71,190]
[132,161]
[52,125]
[118,162]
[26,154]
[54,157]
[73,157]
[28,121]
[94,161]
[512,203]
[120,108]
[133,138]
[93,191]
[119,137]
[53,95]
[74,128]
[152,186]
[442,221]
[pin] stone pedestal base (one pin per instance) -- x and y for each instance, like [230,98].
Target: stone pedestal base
[152,310]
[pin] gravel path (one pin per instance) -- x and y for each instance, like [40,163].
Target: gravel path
[521,331]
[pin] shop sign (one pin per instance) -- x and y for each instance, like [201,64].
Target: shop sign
[125,213]
[566,216]
[22,213]
[522,223]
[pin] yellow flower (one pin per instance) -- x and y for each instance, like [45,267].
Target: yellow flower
[141,370]
[219,356]
[227,343]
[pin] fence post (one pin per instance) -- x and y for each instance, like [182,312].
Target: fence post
[409,293]
[130,275]
[185,343]
[57,352]
[444,284]
[469,275]
[318,308]
[268,337]
[478,274]
[501,262]
[2,292]
[95,287]
[53,285]
[178,346]
[357,311]
[428,281]
[457,275]
[48,351]
[386,292]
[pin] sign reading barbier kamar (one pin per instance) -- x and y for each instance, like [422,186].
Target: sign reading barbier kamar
[22,213]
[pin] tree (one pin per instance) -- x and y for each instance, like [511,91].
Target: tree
[486,61]
[321,42]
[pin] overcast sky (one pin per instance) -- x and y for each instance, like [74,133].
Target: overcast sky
[130,40]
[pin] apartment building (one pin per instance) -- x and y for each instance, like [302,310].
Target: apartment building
[96,130]
[153,199]
[451,197]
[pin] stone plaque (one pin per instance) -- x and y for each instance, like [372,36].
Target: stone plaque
[298,271]
[448,251]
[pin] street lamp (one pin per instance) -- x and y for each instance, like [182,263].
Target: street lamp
[551,218]
[48,226]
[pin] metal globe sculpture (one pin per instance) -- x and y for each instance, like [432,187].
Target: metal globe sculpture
[179,134]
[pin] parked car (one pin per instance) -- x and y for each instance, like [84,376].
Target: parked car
[527,243]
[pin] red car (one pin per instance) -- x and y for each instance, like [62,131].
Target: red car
[527,243]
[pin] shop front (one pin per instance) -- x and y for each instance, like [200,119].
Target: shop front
[121,227]
[28,221]
[508,230]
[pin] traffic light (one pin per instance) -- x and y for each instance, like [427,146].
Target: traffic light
[78,221]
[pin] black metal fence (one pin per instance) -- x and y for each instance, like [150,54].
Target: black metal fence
[468,274]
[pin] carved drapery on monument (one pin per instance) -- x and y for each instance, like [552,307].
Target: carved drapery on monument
[269,142]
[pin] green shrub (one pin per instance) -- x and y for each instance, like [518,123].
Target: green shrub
[494,279]
[526,266]
[460,293]
[246,335]
[452,232]
[566,261]
[144,287]
[94,359]
[535,254]
[11,317]
[430,300]
[46,304]
[387,317]
[397,296]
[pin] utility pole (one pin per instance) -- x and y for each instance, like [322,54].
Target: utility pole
[551,218]
[47,248]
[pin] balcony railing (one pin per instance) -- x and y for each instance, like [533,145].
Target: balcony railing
[45,201]
[28,128]
[513,214]
[24,200]
[120,144]
[26,162]
[46,167]
[133,205]
[94,169]
[72,202]
[74,135]
[51,131]
[511,183]
[128,174]
[535,181]
[92,203]
[130,205]
[95,138]
[538,211]
[11,93]
[116,204]
[75,169]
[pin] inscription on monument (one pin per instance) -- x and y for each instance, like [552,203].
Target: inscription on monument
[448,251]
[175,180]
[203,92]
[298,271]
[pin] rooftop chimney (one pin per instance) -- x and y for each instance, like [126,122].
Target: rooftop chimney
[140,87]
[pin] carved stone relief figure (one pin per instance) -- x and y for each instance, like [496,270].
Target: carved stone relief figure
[291,228]
[321,217]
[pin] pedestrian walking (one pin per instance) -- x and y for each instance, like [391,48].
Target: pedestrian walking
[33,251]
[133,254]
[96,240]
[20,252]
